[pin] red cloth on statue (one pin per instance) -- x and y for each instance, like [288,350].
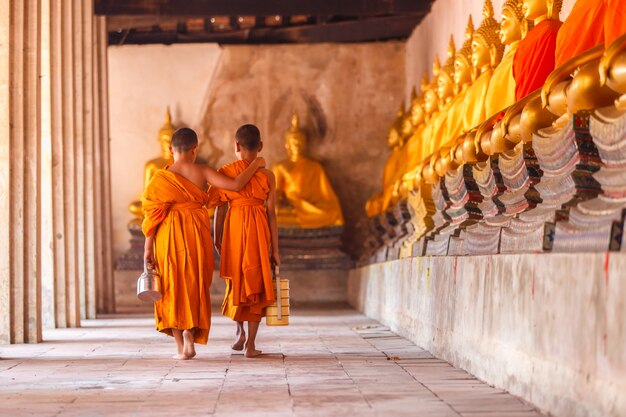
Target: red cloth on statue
[534,58]
[615,21]
[582,30]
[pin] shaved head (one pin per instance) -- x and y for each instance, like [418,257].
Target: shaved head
[249,137]
[184,140]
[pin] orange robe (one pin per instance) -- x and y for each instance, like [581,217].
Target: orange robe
[245,256]
[175,212]
[615,21]
[582,30]
[534,58]
[474,101]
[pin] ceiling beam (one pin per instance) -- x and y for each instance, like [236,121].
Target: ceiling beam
[365,30]
[260,7]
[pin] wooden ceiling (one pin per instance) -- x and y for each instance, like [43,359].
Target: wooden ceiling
[259,21]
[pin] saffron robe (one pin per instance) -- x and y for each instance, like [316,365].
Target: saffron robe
[454,120]
[615,21]
[474,108]
[175,212]
[246,241]
[582,30]
[309,191]
[501,91]
[534,58]
[414,149]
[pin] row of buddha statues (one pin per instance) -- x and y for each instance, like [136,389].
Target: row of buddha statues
[509,81]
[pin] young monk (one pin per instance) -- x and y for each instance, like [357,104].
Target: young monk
[178,240]
[246,236]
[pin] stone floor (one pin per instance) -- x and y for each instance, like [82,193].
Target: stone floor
[328,362]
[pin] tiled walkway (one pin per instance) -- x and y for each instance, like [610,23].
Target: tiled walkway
[326,363]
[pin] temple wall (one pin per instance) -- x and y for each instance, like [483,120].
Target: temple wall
[546,327]
[346,95]
[432,36]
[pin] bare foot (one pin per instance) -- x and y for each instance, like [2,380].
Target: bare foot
[180,357]
[251,352]
[189,351]
[239,344]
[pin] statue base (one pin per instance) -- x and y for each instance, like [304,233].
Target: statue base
[312,249]
[132,259]
[598,224]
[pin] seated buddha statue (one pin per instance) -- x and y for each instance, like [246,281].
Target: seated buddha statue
[535,56]
[153,165]
[501,91]
[462,78]
[487,51]
[613,70]
[305,197]
[393,166]
[417,117]
[431,109]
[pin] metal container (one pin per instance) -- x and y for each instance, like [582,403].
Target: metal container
[149,285]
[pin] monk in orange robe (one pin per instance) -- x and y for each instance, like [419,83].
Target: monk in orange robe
[178,240]
[582,30]
[246,237]
[615,21]
[534,58]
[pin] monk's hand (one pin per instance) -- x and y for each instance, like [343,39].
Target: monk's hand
[276,259]
[148,257]
[260,162]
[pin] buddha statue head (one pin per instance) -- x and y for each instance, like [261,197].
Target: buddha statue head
[295,140]
[416,112]
[394,137]
[538,10]
[445,81]
[463,60]
[408,126]
[165,135]
[431,102]
[513,22]
[487,48]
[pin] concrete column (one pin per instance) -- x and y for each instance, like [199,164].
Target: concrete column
[5,172]
[106,289]
[89,174]
[47,214]
[72,289]
[58,165]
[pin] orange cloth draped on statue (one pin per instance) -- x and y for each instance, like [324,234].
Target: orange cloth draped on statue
[175,211]
[582,30]
[246,242]
[534,58]
[615,21]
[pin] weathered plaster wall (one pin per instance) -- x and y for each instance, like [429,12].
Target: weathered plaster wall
[143,81]
[346,95]
[432,36]
[549,328]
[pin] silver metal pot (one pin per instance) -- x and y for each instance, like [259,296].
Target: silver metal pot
[149,284]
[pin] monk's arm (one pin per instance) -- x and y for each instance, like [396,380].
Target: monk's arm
[148,250]
[271,216]
[220,180]
[218,226]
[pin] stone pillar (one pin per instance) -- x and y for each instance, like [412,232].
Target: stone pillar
[20,291]
[105,287]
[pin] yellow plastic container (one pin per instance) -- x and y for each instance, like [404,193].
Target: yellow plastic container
[278,313]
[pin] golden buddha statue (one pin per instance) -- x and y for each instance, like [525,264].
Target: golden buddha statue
[305,197]
[415,118]
[487,51]
[533,62]
[431,109]
[564,94]
[462,79]
[445,94]
[613,70]
[393,167]
[153,165]
[513,27]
